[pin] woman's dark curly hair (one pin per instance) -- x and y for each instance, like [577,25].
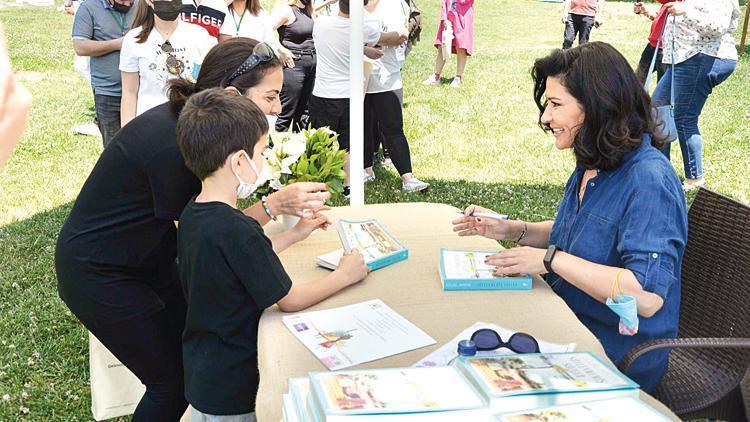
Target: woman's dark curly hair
[617,108]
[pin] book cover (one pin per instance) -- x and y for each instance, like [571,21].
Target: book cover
[373,241]
[624,409]
[299,390]
[393,391]
[527,381]
[539,373]
[466,270]
[353,334]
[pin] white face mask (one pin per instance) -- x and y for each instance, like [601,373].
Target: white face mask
[244,190]
[271,122]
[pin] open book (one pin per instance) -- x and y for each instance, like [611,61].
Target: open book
[378,247]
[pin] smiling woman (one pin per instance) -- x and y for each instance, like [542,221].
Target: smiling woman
[614,251]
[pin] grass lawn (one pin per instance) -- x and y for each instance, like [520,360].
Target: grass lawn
[479,144]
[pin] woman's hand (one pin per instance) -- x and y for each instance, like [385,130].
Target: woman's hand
[485,227]
[299,199]
[286,57]
[15,102]
[306,226]
[676,8]
[518,260]
[373,53]
[352,267]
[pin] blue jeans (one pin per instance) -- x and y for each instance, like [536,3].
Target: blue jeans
[694,80]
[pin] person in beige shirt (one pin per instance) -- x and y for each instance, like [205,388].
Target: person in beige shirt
[579,17]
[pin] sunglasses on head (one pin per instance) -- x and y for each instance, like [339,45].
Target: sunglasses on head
[262,53]
[487,339]
[175,66]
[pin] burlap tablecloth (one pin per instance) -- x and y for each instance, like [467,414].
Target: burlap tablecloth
[412,288]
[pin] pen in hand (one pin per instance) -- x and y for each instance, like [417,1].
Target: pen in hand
[489,215]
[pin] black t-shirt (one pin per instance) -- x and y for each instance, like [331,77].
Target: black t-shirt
[123,218]
[115,256]
[230,274]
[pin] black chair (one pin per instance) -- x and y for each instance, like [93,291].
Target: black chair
[711,355]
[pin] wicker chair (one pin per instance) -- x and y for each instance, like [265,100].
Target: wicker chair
[711,357]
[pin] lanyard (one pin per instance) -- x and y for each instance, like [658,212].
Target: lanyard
[120,22]
[237,25]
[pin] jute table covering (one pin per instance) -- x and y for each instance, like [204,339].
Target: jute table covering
[412,288]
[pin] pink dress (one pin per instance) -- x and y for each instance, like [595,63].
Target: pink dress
[461,15]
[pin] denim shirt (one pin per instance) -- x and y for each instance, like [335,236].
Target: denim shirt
[633,217]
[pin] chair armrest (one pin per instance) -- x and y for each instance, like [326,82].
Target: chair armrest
[683,343]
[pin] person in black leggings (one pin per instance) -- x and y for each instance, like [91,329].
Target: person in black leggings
[115,255]
[295,26]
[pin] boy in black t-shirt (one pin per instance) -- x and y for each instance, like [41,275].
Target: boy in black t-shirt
[229,268]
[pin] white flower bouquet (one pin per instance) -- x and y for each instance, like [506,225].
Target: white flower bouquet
[312,155]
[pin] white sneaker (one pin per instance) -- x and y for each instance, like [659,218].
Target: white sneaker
[456,82]
[369,178]
[88,129]
[415,185]
[432,80]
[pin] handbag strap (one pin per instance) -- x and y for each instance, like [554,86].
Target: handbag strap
[653,61]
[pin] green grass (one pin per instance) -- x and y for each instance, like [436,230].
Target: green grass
[479,144]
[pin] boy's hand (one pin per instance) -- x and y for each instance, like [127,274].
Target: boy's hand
[306,226]
[352,267]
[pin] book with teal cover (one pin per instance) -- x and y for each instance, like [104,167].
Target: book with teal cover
[378,247]
[465,270]
[622,409]
[534,380]
[343,395]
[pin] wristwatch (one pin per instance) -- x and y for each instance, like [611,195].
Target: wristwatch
[548,257]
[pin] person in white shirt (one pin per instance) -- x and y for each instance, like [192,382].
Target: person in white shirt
[384,99]
[210,15]
[160,47]
[698,35]
[329,104]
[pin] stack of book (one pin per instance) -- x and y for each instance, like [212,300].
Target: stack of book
[527,387]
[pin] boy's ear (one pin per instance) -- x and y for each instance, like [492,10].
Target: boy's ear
[233,89]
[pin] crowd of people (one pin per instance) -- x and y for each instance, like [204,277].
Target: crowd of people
[136,47]
[162,299]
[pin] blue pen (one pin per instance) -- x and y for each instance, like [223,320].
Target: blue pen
[490,215]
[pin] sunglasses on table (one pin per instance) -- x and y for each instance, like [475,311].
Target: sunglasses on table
[175,66]
[487,339]
[262,53]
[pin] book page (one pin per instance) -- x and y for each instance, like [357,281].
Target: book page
[354,334]
[519,374]
[625,409]
[369,237]
[396,391]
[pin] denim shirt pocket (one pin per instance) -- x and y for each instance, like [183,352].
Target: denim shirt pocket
[594,238]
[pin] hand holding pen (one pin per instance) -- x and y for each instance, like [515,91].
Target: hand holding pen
[479,221]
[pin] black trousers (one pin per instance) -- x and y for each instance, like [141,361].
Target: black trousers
[295,94]
[577,24]
[641,72]
[147,343]
[383,114]
[334,113]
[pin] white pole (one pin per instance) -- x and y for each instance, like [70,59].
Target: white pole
[356,104]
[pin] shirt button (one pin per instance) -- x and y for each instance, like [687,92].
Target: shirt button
[593,184]
[655,255]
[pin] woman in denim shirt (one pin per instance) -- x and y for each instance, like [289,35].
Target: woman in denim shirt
[623,210]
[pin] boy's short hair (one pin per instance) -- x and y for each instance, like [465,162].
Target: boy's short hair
[214,124]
